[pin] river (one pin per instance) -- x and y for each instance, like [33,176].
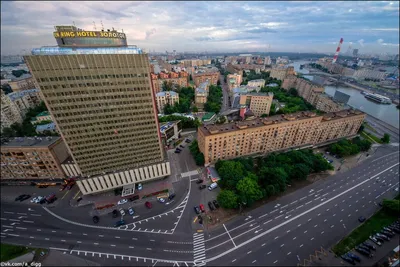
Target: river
[386,113]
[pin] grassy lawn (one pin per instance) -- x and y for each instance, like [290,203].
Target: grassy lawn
[369,127]
[8,252]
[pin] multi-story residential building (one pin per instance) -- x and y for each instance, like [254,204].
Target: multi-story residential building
[276,133]
[10,113]
[267,61]
[256,83]
[369,74]
[201,94]
[23,83]
[233,80]
[258,103]
[282,73]
[327,104]
[175,78]
[202,75]
[234,69]
[195,62]
[166,97]
[243,89]
[32,158]
[99,93]
[15,105]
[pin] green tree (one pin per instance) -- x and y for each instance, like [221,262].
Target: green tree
[299,172]
[168,109]
[228,199]
[195,109]
[8,132]
[221,120]
[361,128]
[248,190]
[386,138]
[230,172]
[293,92]
[276,176]
[18,73]
[264,115]
[391,206]
[199,159]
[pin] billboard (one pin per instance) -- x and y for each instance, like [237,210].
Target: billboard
[96,34]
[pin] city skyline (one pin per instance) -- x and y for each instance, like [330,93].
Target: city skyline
[315,27]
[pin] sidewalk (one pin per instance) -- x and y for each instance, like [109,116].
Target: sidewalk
[57,258]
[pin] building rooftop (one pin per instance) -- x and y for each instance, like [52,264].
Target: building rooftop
[166,125]
[55,50]
[22,77]
[46,127]
[164,93]
[259,122]
[16,95]
[43,113]
[29,141]
[258,80]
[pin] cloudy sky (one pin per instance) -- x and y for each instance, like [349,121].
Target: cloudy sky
[307,26]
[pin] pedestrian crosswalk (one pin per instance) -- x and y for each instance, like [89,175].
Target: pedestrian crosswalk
[199,250]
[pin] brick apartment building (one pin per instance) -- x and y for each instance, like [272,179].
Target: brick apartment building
[176,78]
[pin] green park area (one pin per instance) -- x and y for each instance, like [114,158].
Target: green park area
[8,252]
[385,216]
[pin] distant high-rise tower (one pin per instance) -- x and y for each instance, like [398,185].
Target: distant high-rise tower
[99,92]
[355,52]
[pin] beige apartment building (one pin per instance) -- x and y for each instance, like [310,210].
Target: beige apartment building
[201,77]
[30,158]
[10,112]
[22,84]
[195,62]
[275,133]
[101,99]
[256,83]
[167,97]
[282,73]
[327,104]
[175,78]
[234,80]
[259,103]
[201,94]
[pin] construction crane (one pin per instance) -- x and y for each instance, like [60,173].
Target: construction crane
[337,51]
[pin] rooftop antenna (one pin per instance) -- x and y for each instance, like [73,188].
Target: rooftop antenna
[94,26]
[102,26]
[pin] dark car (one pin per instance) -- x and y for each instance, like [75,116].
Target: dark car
[24,197]
[197,209]
[200,219]
[70,185]
[215,204]
[51,198]
[188,141]
[177,151]
[365,243]
[361,219]
[133,198]
[363,252]
[364,247]
[181,146]
[18,198]
[96,219]
[148,205]
[353,256]
[210,205]
[202,186]
[171,196]
[119,223]
[348,259]
[199,181]
[387,233]
[114,213]
[380,239]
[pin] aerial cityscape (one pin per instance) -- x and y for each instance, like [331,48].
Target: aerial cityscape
[200,133]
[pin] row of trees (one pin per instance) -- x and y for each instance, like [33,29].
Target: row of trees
[214,99]
[246,180]
[318,66]
[26,128]
[187,123]
[18,73]
[186,98]
[255,76]
[345,147]
[198,156]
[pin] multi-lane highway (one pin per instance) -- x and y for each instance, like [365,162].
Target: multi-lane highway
[279,233]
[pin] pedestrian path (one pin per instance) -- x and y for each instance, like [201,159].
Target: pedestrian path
[199,250]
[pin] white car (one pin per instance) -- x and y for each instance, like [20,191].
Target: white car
[38,199]
[122,201]
[34,200]
[162,200]
[122,212]
[139,187]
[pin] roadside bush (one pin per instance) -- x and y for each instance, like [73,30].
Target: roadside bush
[197,155]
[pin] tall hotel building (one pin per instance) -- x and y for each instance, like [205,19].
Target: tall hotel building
[98,90]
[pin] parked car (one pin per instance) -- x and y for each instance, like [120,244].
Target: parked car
[148,205]
[215,204]
[161,199]
[383,236]
[372,247]
[196,209]
[200,219]
[212,186]
[363,251]
[96,219]
[171,196]
[42,200]
[33,200]
[210,205]
[122,212]
[188,141]
[139,187]
[199,181]
[131,211]
[364,247]
[181,146]
[114,213]
[353,256]
[119,223]
[18,198]
[39,199]
[25,197]
[202,208]
[380,239]
[133,198]
[373,239]
[79,199]
[348,259]
[387,233]
[51,198]
[361,219]
[177,151]
[122,201]
[203,186]
[388,229]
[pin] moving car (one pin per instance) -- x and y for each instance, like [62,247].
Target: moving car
[122,201]
[200,219]
[171,196]
[202,186]
[196,209]
[212,186]
[210,205]
[96,219]
[70,185]
[188,141]
[199,181]
[161,199]
[139,187]
[361,219]
[202,208]
[122,212]
[119,223]
[131,211]
[148,205]
[25,197]
[177,151]
[114,213]
[63,187]
[18,198]
[215,204]
[181,146]
[51,198]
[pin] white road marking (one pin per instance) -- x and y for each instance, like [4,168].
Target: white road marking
[301,245]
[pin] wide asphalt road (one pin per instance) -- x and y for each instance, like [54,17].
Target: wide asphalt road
[294,225]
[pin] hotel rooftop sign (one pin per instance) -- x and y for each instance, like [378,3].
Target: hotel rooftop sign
[95,34]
